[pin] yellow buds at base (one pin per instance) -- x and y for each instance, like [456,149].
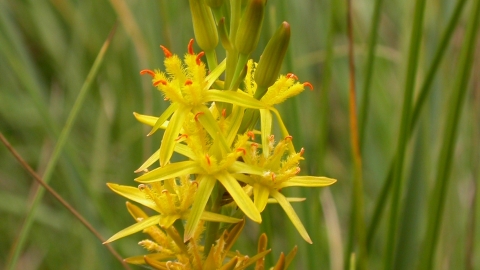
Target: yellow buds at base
[248,32]
[203,25]
[271,61]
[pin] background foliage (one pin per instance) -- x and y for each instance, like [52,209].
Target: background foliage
[48,47]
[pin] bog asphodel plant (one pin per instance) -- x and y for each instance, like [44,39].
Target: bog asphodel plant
[228,170]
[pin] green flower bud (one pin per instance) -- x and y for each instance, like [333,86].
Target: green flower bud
[271,60]
[248,32]
[203,25]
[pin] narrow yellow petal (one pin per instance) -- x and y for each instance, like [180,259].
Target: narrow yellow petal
[287,207]
[236,98]
[149,120]
[260,195]
[307,181]
[205,187]
[163,117]
[209,216]
[152,159]
[154,220]
[171,170]
[239,196]
[171,133]
[266,125]
[134,194]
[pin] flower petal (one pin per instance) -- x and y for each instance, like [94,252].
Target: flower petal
[154,220]
[266,125]
[152,159]
[260,196]
[132,193]
[171,133]
[307,181]
[235,97]
[149,120]
[209,216]
[287,207]
[205,187]
[241,167]
[239,196]
[171,170]
[163,117]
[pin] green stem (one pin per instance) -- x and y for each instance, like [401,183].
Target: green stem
[404,131]
[438,198]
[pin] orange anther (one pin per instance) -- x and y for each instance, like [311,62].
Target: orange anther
[188,82]
[195,183]
[288,138]
[292,76]
[302,151]
[160,82]
[165,191]
[197,115]
[190,47]
[166,51]
[251,135]
[224,113]
[147,71]
[181,136]
[273,176]
[242,150]
[199,55]
[308,84]
[208,159]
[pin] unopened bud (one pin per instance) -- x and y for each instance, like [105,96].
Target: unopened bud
[203,25]
[248,32]
[271,60]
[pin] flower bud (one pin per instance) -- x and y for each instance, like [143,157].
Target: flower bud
[271,60]
[203,25]
[248,32]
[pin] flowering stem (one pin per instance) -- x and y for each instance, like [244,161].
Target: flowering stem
[212,227]
[211,59]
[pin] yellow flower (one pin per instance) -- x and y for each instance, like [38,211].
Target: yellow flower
[279,174]
[171,198]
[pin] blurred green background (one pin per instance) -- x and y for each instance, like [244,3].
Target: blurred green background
[48,47]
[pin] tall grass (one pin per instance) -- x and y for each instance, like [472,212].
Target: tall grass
[428,201]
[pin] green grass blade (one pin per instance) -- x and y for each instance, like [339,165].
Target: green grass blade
[26,226]
[403,132]
[444,165]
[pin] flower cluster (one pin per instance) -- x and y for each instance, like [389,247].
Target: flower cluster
[210,124]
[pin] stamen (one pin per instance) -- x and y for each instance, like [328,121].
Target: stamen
[197,115]
[188,82]
[251,135]
[141,187]
[160,82]
[147,71]
[190,47]
[292,76]
[297,171]
[181,136]
[208,159]
[242,150]
[200,55]
[308,85]
[224,113]
[288,138]
[302,151]
[166,51]
[164,191]
[273,176]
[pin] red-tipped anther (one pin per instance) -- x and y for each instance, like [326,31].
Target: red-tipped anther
[242,150]
[165,98]
[254,144]
[297,170]
[207,157]
[288,138]
[166,51]
[195,183]
[302,151]
[292,76]
[188,82]
[224,113]
[308,84]
[197,115]
[160,82]
[147,71]
[251,135]
[199,55]
[273,176]
[181,136]
[190,47]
